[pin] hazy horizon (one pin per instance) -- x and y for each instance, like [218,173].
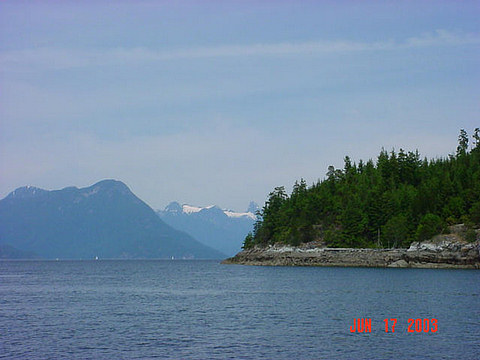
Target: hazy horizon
[218,102]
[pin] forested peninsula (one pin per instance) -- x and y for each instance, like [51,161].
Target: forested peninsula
[399,201]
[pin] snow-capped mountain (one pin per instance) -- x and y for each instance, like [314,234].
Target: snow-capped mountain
[176,208]
[221,229]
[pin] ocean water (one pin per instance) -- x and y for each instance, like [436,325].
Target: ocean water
[205,310]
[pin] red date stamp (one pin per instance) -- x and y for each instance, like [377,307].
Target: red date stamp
[364,325]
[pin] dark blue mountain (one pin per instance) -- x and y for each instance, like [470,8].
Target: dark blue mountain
[224,230]
[9,252]
[105,220]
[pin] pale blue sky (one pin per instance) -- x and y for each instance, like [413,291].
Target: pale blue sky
[217,102]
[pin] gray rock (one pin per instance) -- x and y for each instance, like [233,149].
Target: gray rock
[444,251]
[399,264]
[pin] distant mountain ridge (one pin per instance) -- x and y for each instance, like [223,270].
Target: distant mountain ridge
[105,220]
[175,207]
[221,229]
[9,252]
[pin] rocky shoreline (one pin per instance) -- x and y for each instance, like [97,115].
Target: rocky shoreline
[441,252]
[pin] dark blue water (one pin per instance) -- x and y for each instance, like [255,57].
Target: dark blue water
[204,310]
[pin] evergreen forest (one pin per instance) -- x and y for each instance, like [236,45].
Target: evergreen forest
[390,202]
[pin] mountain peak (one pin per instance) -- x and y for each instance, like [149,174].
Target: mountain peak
[214,226]
[110,183]
[106,186]
[253,207]
[188,209]
[105,220]
[26,192]
[174,207]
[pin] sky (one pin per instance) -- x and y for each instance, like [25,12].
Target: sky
[218,102]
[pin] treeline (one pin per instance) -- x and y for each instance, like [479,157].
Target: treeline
[398,199]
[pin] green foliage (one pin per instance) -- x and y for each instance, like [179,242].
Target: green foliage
[471,235]
[248,243]
[334,239]
[475,213]
[455,207]
[395,231]
[462,142]
[429,226]
[390,202]
[476,138]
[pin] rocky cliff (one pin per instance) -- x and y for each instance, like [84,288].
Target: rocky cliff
[443,251]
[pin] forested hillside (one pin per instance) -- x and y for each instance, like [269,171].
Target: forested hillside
[398,199]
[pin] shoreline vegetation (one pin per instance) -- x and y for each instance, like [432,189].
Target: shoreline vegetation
[384,207]
[441,252]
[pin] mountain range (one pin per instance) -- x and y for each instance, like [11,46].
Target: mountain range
[221,229]
[105,220]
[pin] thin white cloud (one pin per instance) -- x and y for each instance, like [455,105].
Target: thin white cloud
[225,161]
[442,38]
[71,58]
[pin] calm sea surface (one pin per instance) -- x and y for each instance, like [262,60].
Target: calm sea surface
[204,310]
